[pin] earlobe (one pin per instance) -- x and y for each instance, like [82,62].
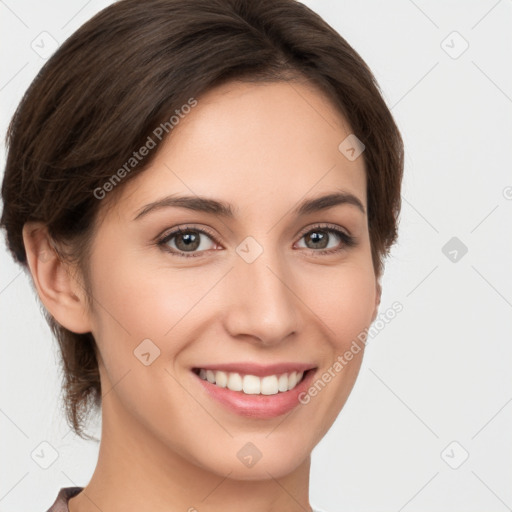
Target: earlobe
[59,291]
[378,295]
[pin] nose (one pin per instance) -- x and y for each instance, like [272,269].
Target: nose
[262,304]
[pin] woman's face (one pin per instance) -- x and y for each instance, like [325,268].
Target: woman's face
[256,288]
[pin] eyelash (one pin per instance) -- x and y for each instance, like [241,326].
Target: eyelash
[347,241]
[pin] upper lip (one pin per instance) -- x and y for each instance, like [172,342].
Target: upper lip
[258,370]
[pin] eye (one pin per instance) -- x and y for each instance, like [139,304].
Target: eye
[320,237]
[187,240]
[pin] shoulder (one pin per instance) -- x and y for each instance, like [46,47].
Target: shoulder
[61,502]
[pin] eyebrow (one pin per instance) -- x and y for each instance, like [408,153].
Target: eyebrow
[223,209]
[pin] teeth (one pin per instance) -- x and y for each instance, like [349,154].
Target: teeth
[269,385]
[234,382]
[221,379]
[292,380]
[251,384]
[282,384]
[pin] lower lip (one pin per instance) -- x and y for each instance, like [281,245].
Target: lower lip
[257,406]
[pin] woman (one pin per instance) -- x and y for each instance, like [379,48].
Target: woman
[204,194]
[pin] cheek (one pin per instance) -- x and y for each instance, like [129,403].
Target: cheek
[134,299]
[135,303]
[345,302]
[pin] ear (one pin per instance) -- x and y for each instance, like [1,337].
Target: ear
[378,295]
[60,292]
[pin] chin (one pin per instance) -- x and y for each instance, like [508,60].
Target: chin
[259,456]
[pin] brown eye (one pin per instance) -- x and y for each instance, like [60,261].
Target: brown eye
[318,239]
[189,240]
[327,240]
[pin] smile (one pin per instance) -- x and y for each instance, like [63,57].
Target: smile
[254,390]
[252,384]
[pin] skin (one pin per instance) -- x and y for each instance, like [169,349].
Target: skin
[165,444]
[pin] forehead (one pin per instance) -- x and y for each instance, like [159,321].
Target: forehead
[252,143]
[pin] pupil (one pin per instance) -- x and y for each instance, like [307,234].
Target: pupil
[318,237]
[191,241]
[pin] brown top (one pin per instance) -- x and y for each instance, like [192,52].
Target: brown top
[61,502]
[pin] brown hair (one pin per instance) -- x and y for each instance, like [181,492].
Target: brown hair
[123,73]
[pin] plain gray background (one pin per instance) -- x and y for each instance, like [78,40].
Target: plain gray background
[428,425]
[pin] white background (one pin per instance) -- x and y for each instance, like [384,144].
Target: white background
[440,371]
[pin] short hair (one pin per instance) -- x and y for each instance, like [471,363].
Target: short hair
[123,73]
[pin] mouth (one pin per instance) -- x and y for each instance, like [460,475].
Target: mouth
[256,391]
[252,384]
